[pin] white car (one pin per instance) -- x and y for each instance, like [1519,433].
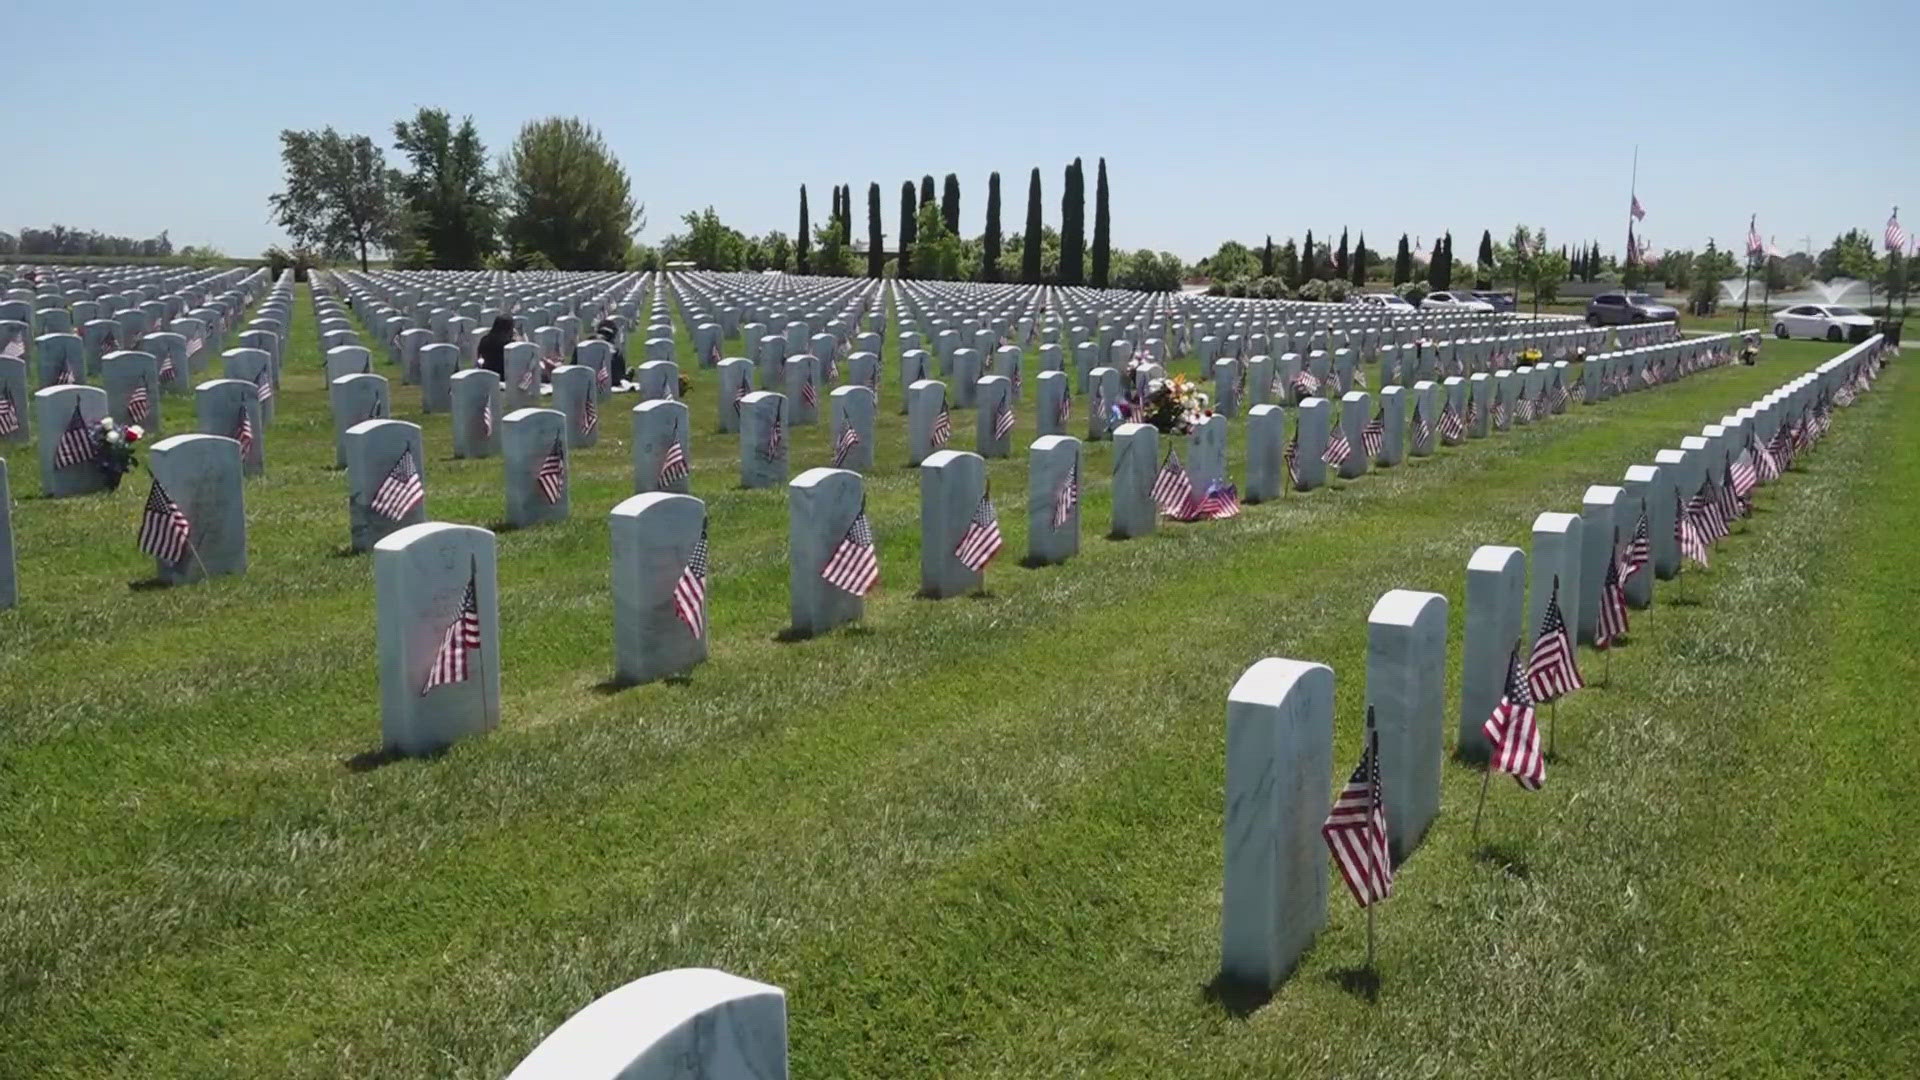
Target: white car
[1385,301]
[1460,301]
[1829,321]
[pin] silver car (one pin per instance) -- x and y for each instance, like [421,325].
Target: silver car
[1615,308]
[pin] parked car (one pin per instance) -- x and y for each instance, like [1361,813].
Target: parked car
[1454,300]
[1501,301]
[1614,308]
[1385,301]
[1830,321]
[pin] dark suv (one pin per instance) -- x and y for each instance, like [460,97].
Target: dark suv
[1614,308]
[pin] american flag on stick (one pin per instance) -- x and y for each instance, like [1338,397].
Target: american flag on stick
[401,492]
[76,443]
[1764,466]
[1453,429]
[528,375]
[1612,624]
[1373,436]
[942,427]
[1066,496]
[263,386]
[1686,531]
[1292,457]
[690,590]
[981,540]
[1513,730]
[1896,236]
[1338,448]
[1003,418]
[1356,828]
[164,531]
[139,404]
[551,476]
[15,349]
[1551,670]
[1220,501]
[1639,548]
[808,394]
[854,566]
[1732,503]
[774,446]
[1063,408]
[451,664]
[1172,488]
[589,416]
[603,375]
[1422,430]
[243,433]
[842,446]
[64,376]
[9,413]
[1706,508]
[1499,412]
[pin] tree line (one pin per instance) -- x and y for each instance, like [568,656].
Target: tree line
[60,240]
[557,199]
[928,241]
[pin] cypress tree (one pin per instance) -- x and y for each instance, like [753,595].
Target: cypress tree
[1403,263]
[803,242]
[1340,257]
[876,244]
[1073,236]
[1593,262]
[926,189]
[1434,266]
[990,242]
[1485,275]
[1287,263]
[1447,281]
[1360,261]
[846,215]
[1102,230]
[1266,258]
[950,204]
[907,208]
[1030,246]
[1309,266]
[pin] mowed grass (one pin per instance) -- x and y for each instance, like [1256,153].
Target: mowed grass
[969,837]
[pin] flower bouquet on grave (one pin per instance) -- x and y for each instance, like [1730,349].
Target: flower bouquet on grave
[113,449]
[1529,357]
[1750,352]
[686,387]
[1174,405]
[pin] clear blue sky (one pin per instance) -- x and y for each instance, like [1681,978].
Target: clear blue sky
[1217,120]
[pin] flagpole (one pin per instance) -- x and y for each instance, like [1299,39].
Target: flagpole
[1746,283]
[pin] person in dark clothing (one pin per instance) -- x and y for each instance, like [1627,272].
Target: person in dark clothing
[609,332]
[493,345]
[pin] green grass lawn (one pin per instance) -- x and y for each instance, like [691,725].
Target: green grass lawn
[974,836]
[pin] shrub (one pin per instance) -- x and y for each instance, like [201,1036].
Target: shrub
[1237,287]
[1412,291]
[1218,288]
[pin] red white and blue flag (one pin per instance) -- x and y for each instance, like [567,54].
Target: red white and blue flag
[1356,828]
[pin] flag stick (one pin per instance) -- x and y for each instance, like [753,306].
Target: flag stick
[191,550]
[1370,937]
[1606,675]
[1485,778]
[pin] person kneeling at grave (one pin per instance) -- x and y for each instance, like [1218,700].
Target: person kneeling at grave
[492,349]
[609,332]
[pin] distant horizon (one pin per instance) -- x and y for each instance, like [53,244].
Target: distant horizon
[1330,129]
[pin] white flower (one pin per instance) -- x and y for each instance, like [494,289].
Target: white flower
[115,437]
[1201,401]
[106,423]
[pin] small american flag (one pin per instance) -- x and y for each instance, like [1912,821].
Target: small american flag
[1063,409]
[603,375]
[164,530]
[1422,431]
[527,377]
[194,345]
[15,349]
[842,446]
[942,428]
[1066,496]
[1373,435]
[139,405]
[1687,532]
[9,413]
[1172,489]
[401,492]
[674,466]
[1292,456]
[1612,623]
[76,444]
[808,394]
[774,446]
[690,591]
[1499,413]
[1523,407]
[1764,463]
[1453,430]
[64,376]
[486,417]
[589,416]
[450,664]
[1220,501]
[739,394]
[1473,414]
[1305,383]
[1706,507]
[1513,731]
[167,371]
[1003,418]
[833,367]
[1733,504]
[1356,828]
[981,540]
[854,566]
[1338,448]
[263,386]
[1639,548]
[1551,670]
[713,353]
[551,476]
[243,432]
[1557,398]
